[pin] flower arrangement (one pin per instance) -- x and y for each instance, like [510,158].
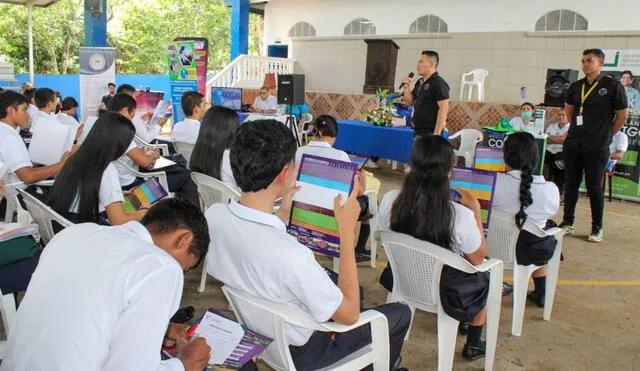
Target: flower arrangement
[381,110]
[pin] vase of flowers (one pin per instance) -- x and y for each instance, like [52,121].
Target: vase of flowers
[381,110]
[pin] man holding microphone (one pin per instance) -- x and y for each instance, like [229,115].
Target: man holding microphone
[430,96]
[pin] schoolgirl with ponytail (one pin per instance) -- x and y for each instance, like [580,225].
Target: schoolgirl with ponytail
[529,197]
[423,208]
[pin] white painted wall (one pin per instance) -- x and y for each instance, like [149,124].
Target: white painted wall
[393,17]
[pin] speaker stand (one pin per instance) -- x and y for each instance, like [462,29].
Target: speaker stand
[291,124]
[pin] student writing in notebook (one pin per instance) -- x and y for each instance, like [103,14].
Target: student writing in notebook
[252,251]
[101,297]
[210,155]
[93,172]
[194,107]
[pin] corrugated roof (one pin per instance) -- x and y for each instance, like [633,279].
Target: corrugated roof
[40,3]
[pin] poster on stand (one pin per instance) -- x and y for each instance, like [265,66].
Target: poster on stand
[187,64]
[97,70]
[626,181]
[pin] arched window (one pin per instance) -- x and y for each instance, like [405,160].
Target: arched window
[562,20]
[428,24]
[302,29]
[360,26]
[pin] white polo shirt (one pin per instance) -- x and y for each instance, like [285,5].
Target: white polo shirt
[555,129]
[251,251]
[110,190]
[466,236]
[321,149]
[545,195]
[271,103]
[127,178]
[37,116]
[141,129]
[67,120]
[519,124]
[33,112]
[186,131]
[619,143]
[226,173]
[13,151]
[100,299]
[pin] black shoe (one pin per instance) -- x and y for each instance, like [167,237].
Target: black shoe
[363,256]
[507,288]
[463,328]
[183,315]
[396,366]
[472,353]
[538,300]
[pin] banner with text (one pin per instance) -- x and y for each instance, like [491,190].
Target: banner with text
[97,69]
[626,181]
[187,63]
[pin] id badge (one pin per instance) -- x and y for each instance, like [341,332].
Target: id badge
[579,120]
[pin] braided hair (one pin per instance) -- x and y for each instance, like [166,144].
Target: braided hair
[521,153]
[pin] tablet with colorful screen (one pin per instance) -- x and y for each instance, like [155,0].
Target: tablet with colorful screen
[489,158]
[312,219]
[147,193]
[481,183]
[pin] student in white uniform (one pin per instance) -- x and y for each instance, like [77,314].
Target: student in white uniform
[193,105]
[527,196]
[265,102]
[33,110]
[557,133]
[325,130]
[617,148]
[45,100]
[253,252]
[13,152]
[101,297]
[139,122]
[67,113]
[524,122]
[424,209]
[210,155]
[92,172]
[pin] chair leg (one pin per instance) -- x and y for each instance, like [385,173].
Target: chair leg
[8,309]
[394,165]
[520,285]
[494,302]
[380,335]
[447,333]
[336,265]
[470,94]
[610,187]
[373,243]
[461,89]
[203,278]
[553,270]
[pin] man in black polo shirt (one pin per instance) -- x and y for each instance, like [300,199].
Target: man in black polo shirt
[597,105]
[430,96]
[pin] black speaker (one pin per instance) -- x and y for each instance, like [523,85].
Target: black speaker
[556,87]
[291,89]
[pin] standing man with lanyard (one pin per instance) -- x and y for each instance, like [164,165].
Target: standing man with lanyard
[597,105]
[430,97]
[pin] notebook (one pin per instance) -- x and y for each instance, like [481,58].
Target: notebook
[50,140]
[147,193]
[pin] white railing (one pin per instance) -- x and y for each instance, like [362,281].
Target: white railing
[248,72]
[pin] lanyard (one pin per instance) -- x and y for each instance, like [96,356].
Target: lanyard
[585,96]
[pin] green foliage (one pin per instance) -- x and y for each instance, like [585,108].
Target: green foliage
[140,30]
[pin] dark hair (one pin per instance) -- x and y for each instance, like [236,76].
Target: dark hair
[521,153]
[80,177]
[528,104]
[627,72]
[432,54]
[111,84]
[69,103]
[172,214]
[125,87]
[325,126]
[190,100]
[217,129]
[423,208]
[259,152]
[120,101]
[29,94]
[44,96]
[597,52]
[8,99]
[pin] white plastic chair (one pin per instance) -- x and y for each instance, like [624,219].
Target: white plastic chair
[8,312]
[304,134]
[164,148]
[416,269]
[501,244]
[269,318]
[211,191]
[477,76]
[469,139]
[162,176]
[13,206]
[43,215]
[185,149]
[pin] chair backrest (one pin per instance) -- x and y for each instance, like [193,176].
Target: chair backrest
[416,267]
[185,149]
[502,237]
[468,139]
[43,215]
[267,318]
[212,191]
[479,74]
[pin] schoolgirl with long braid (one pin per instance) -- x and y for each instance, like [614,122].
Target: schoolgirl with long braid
[518,191]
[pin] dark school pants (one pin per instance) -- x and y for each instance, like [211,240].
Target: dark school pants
[556,175]
[592,165]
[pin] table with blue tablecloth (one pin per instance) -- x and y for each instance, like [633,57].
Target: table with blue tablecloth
[393,143]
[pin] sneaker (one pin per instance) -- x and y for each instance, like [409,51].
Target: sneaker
[363,256]
[371,165]
[596,235]
[567,228]
[507,289]
[534,297]
[472,353]
[407,169]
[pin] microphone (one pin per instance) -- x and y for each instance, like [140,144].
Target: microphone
[403,84]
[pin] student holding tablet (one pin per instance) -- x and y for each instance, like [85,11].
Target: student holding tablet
[424,209]
[92,172]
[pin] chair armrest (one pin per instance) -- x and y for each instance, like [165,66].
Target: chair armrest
[488,264]
[365,318]
[454,136]
[45,183]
